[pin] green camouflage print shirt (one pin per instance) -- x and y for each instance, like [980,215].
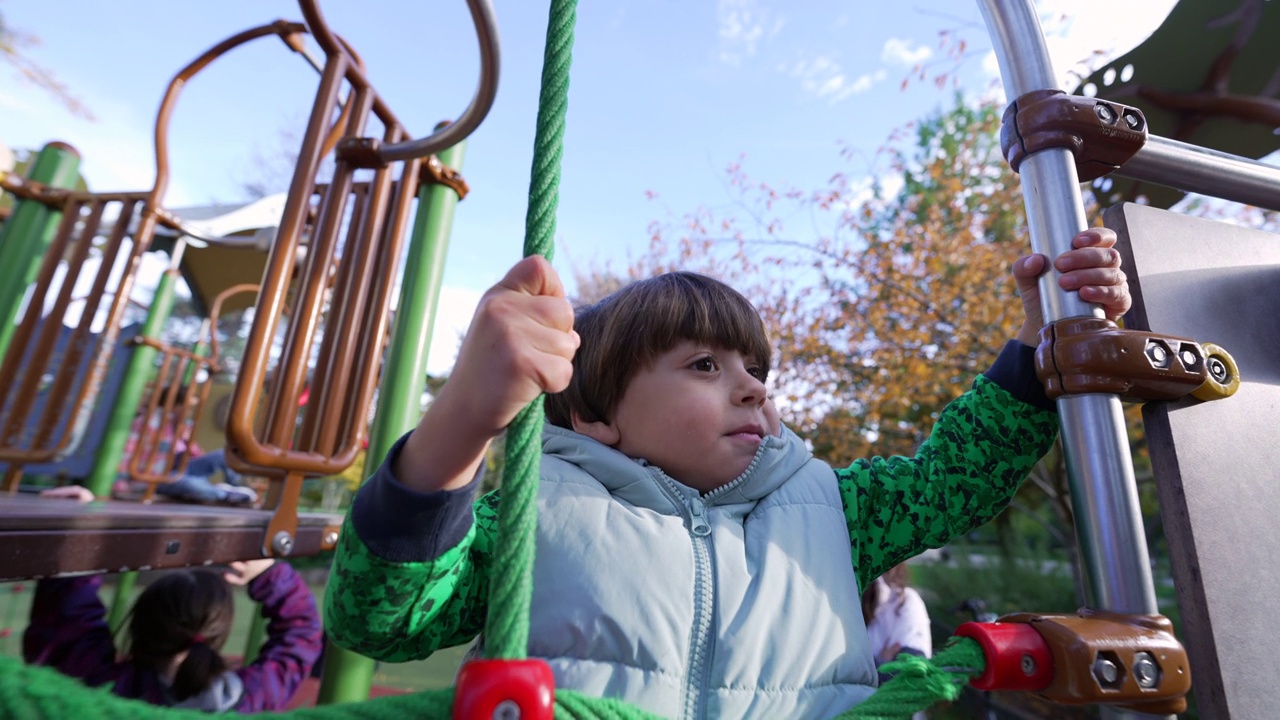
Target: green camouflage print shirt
[982,447]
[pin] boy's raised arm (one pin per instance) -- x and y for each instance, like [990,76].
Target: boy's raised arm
[520,344]
[987,440]
[411,570]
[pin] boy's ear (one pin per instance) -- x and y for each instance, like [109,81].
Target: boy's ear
[598,430]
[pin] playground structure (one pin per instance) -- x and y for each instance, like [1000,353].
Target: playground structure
[327,277]
[1119,655]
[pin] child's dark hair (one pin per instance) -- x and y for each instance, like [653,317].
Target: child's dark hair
[183,610]
[627,330]
[896,578]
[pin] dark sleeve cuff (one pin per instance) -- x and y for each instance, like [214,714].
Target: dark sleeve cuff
[401,525]
[1015,371]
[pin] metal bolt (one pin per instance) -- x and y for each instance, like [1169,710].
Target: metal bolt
[1158,354]
[331,538]
[1218,369]
[1145,670]
[1106,671]
[1132,120]
[1189,359]
[282,543]
[1028,665]
[507,710]
[1105,113]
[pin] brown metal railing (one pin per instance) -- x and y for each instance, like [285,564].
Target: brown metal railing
[30,434]
[353,232]
[177,399]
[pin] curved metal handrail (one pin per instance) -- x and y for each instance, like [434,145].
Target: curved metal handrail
[482,17]
[288,32]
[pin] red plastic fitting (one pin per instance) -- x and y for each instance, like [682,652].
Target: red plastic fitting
[1018,657]
[488,689]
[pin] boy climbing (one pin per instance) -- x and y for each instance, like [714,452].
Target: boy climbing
[693,558]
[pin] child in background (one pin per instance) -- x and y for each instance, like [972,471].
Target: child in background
[176,630]
[693,558]
[897,619]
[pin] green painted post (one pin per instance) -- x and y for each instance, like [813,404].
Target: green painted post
[347,675]
[125,582]
[26,235]
[141,364]
[257,631]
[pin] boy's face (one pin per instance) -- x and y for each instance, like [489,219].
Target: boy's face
[699,413]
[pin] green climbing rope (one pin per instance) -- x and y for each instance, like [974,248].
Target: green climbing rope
[511,590]
[44,694]
[40,693]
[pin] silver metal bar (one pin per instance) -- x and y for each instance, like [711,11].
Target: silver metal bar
[1205,171]
[1109,530]
[455,132]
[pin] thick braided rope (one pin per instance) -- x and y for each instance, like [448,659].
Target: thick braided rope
[918,684]
[40,693]
[511,587]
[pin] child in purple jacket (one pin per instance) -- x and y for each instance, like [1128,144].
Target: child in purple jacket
[176,629]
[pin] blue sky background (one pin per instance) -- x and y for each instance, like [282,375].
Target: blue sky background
[664,95]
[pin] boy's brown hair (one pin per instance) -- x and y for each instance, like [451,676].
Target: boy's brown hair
[627,330]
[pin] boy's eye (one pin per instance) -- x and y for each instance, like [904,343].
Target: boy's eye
[757,373]
[705,364]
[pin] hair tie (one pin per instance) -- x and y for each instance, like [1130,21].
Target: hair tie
[197,638]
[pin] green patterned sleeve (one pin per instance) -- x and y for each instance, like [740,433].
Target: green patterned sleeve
[984,444]
[399,612]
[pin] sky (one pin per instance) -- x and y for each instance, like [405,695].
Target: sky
[663,97]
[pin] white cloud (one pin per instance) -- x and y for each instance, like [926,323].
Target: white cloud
[904,52]
[741,26]
[824,77]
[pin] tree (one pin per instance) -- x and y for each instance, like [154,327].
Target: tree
[14,45]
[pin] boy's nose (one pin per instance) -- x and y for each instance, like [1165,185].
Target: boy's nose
[751,391]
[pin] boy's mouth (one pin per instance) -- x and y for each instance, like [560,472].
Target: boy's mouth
[748,432]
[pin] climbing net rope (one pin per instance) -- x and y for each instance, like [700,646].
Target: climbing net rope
[43,694]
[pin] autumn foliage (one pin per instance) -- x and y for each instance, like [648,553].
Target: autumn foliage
[884,304]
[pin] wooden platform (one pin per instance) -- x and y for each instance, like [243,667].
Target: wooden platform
[42,537]
[1216,464]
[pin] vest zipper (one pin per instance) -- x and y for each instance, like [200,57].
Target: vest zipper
[700,639]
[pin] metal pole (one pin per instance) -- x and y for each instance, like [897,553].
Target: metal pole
[125,582]
[1205,171]
[348,675]
[141,366]
[257,631]
[1104,495]
[26,235]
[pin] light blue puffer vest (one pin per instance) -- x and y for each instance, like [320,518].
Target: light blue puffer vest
[741,603]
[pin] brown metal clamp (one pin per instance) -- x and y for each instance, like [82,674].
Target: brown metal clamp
[1102,135]
[1093,657]
[366,152]
[1092,355]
